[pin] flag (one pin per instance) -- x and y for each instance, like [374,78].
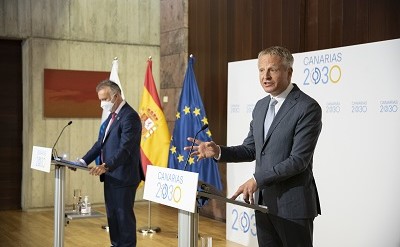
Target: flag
[155,134]
[115,78]
[190,118]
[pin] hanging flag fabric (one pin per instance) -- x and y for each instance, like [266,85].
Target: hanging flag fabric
[115,78]
[190,118]
[155,134]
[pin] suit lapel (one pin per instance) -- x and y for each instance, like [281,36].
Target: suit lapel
[116,122]
[259,119]
[290,101]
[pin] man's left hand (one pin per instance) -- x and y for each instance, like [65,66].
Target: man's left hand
[98,170]
[247,189]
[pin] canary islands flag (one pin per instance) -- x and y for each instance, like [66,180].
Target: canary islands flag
[190,118]
[155,134]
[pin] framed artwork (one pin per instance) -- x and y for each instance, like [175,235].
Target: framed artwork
[72,93]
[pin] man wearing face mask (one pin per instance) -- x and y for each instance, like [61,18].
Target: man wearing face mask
[120,169]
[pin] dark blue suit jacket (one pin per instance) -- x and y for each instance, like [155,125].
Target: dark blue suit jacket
[284,161]
[120,149]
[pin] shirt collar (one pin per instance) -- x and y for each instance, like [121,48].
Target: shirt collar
[120,106]
[281,97]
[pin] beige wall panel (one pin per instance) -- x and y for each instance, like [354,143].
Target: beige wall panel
[83,56]
[135,73]
[84,19]
[138,57]
[78,35]
[149,29]
[120,21]
[2,20]
[50,18]
[80,136]
[38,9]
[9,18]
[24,18]
[27,128]
[134,17]
[133,22]
[99,20]
[38,179]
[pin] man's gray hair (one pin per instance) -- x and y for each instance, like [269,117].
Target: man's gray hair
[108,83]
[280,51]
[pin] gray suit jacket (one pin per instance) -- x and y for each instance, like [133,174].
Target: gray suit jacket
[284,161]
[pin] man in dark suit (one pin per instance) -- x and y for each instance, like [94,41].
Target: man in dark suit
[120,169]
[283,179]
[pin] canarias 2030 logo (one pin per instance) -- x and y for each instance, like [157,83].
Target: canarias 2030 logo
[322,69]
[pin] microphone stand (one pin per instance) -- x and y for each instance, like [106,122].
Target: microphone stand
[184,216]
[53,150]
[191,147]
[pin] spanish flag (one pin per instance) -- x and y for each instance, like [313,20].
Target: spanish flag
[154,145]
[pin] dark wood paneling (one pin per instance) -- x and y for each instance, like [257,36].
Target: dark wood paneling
[361,29]
[10,124]
[336,23]
[222,31]
[324,32]
[311,25]
[210,44]
[292,25]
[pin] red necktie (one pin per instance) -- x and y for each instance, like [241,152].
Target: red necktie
[113,117]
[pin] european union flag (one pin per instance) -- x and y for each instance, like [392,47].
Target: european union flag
[190,118]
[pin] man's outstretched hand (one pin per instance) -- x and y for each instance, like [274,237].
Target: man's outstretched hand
[203,149]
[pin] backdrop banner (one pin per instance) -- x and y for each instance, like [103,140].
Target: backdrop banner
[356,166]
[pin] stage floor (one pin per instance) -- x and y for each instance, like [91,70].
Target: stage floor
[32,229]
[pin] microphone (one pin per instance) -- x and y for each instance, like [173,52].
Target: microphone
[191,147]
[54,151]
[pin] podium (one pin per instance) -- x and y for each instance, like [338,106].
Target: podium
[59,204]
[167,186]
[188,231]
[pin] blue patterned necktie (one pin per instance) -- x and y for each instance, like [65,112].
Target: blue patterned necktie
[270,116]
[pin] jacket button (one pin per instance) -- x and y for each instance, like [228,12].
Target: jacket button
[263,153]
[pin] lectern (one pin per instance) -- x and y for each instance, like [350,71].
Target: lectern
[188,222]
[59,205]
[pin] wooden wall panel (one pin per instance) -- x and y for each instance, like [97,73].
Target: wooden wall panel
[272,22]
[336,22]
[311,26]
[362,27]
[300,25]
[211,37]
[222,31]
[10,124]
[243,21]
[293,24]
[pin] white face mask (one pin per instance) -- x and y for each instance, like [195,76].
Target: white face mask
[107,105]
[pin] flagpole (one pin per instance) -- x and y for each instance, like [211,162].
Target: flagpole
[149,228]
[156,133]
